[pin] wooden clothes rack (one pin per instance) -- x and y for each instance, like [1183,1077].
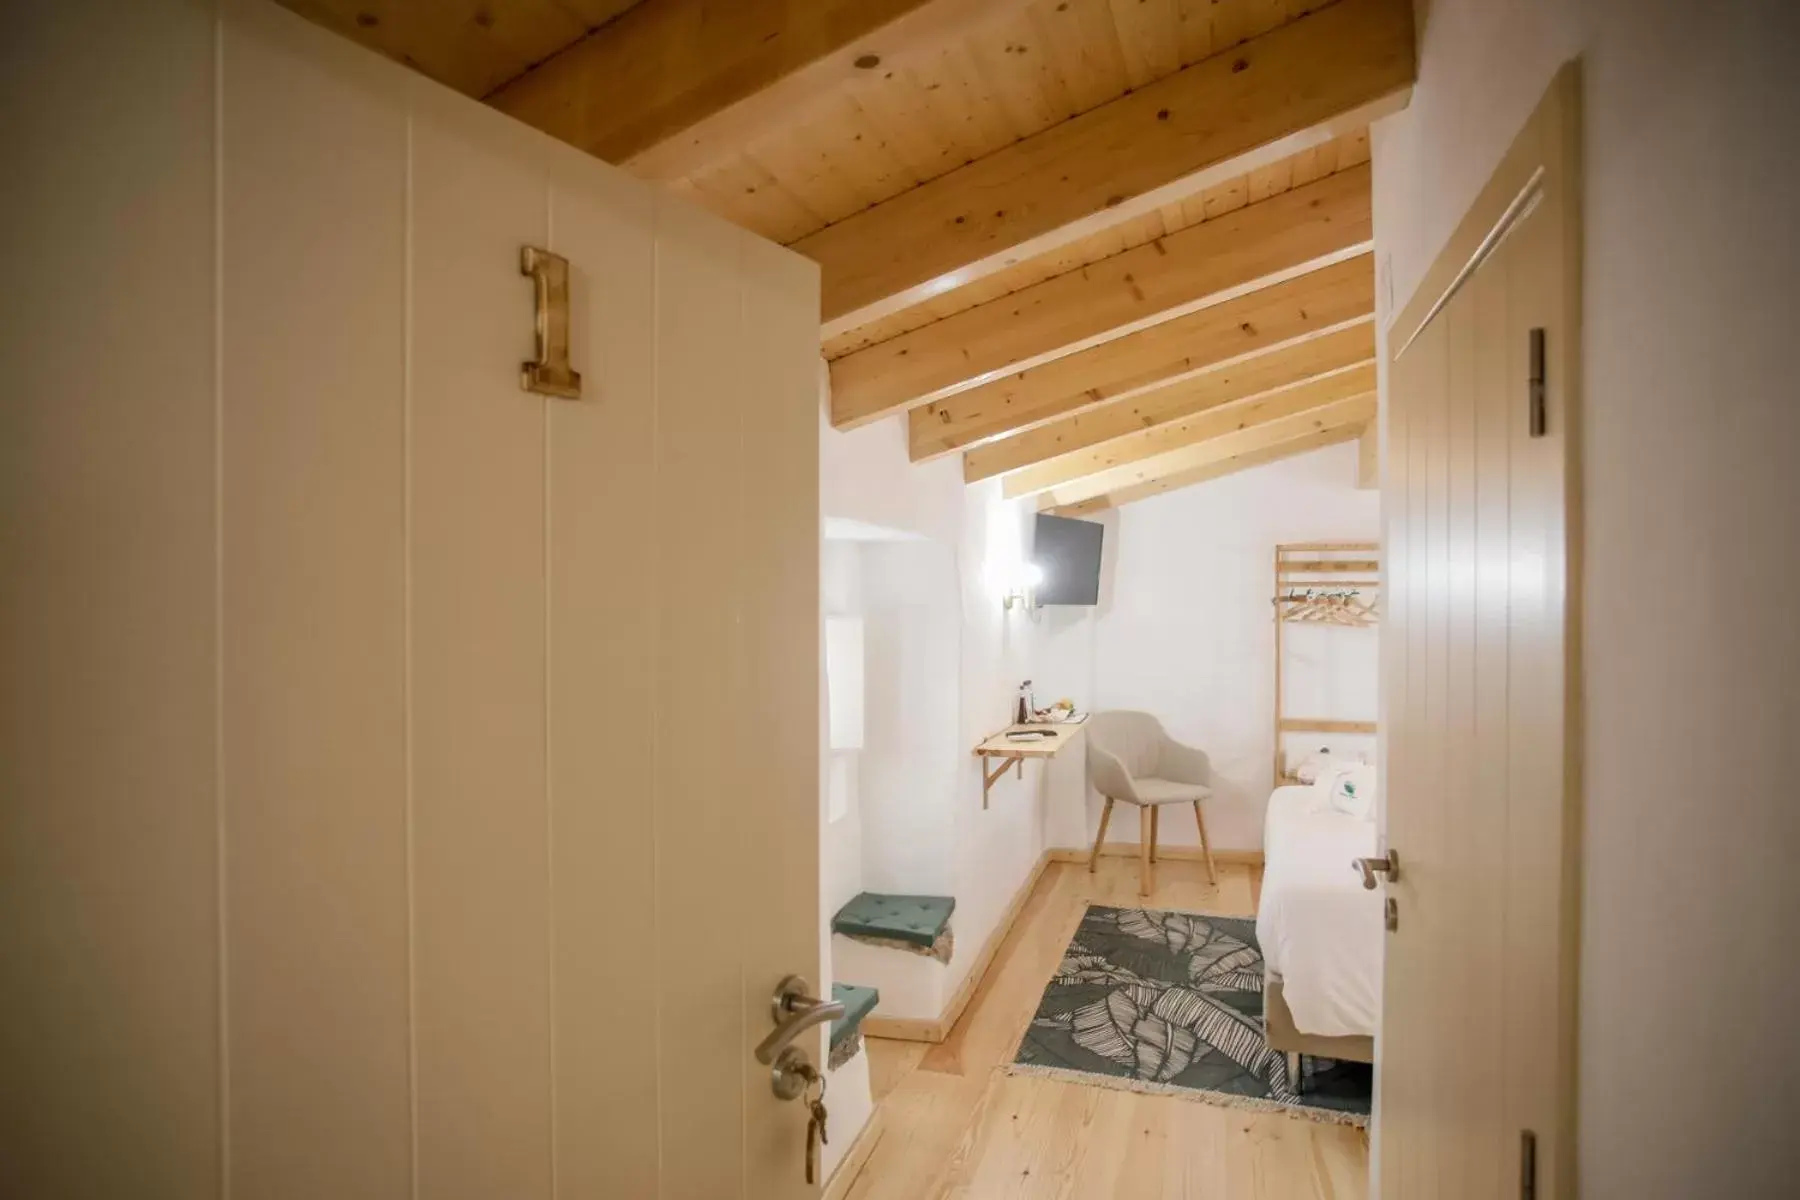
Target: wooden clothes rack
[1339,577]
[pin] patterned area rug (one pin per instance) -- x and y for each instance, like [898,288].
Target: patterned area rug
[1172,1002]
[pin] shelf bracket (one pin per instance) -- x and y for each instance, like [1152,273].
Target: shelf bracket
[989,778]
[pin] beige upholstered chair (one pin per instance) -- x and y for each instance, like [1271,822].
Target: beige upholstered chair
[1131,760]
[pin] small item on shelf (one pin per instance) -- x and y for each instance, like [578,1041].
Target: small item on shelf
[1023,710]
[1059,713]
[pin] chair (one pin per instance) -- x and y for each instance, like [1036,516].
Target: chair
[1130,759]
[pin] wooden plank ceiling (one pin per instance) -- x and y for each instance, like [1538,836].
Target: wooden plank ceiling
[1100,248]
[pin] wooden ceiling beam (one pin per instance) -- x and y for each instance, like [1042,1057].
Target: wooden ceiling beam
[1236,381]
[1306,307]
[1230,465]
[1270,407]
[468,45]
[1251,247]
[673,86]
[1354,412]
[1326,73]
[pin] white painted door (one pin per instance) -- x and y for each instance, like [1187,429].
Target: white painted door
[410,781]
[1475,1059]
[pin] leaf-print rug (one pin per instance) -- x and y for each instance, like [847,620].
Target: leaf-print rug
[1172,1002]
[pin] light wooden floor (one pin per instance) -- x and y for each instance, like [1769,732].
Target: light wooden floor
[954,1125]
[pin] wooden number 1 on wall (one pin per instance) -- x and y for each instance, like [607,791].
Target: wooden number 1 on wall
[551,373]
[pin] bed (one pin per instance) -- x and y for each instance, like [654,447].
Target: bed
[1320,930]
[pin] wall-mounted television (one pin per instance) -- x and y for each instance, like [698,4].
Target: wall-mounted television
[1067,551]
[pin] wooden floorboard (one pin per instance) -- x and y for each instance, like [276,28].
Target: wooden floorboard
[955,1125]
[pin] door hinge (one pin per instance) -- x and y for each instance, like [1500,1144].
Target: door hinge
[1527,1165]
[1540,419]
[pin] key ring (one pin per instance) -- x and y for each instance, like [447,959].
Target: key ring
[817,1077]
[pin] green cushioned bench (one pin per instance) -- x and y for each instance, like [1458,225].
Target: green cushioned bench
[858,1003]
[915,920]
[846,1031]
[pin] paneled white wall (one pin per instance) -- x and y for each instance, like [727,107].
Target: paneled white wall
[372,733]
[1690,275]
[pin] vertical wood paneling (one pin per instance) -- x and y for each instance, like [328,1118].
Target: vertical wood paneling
[1478,984]
[1395,716]
[1535,783]
[1412,823]
[459,685]
[1496,412]
[604,695]
[777,569]
[109,1049]
[1434,922]
[313,617]
[1463,1135]
[698,742]
[477,624]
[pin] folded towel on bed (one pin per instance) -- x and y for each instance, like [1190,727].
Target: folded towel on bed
[1324,772]
[1353,791]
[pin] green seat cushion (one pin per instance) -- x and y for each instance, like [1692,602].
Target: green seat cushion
[916,920]
[858,1002]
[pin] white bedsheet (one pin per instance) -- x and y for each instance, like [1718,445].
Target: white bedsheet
[1320,930]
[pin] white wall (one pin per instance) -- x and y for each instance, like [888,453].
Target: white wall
[1185,629]
[865,475]
[996,846]
[913,639]
[1066,666]
[944,664]
[1690,432]
[840,845]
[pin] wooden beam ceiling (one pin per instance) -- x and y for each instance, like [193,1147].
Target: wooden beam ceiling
[1305,307]
[1312,397]
[1015,76]
[473,46]
[1326,72]
[1095,247]
[1209,204]
[1357,411]
[672,86]
[1229,465]
[1236,381]
[1251,247]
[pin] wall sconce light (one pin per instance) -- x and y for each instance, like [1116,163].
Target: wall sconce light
[1020,588]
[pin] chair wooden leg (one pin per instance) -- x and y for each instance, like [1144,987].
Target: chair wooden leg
[1146,873]
[1212,874]
[1155,822]
[1105,817]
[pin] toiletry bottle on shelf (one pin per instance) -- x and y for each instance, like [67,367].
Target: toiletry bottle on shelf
[1022,712]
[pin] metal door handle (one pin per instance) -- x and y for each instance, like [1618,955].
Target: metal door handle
[1388,864]
[795,1011]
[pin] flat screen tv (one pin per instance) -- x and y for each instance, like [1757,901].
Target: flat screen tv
[1067,551]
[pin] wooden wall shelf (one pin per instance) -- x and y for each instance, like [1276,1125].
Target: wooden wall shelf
[1012,752]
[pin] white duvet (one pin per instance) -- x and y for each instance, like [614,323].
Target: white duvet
[1320,930]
